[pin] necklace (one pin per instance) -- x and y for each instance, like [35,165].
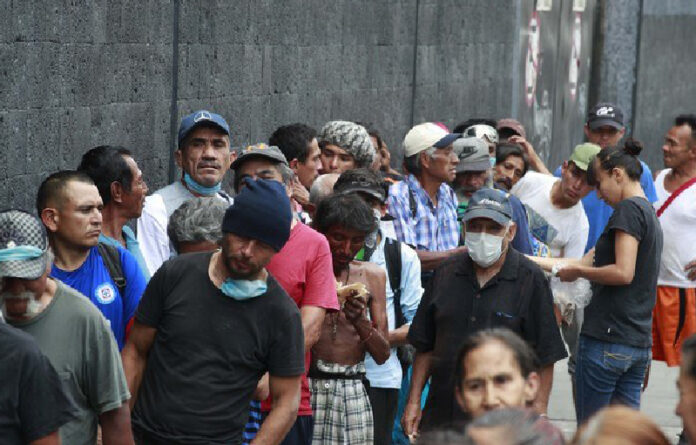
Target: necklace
[335,315]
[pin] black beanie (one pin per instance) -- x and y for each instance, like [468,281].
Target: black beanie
[261,211]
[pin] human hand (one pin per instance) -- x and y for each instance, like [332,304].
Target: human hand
[299,192]
[691,270]
[568,273]
[354,308]
[410,421]
[527,147]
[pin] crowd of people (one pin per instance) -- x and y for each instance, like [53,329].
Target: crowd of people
[321,296]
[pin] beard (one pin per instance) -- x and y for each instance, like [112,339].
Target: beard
[33,307]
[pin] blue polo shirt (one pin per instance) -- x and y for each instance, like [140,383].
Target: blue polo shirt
[92,279]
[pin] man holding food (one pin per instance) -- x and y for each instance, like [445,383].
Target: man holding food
[342,412]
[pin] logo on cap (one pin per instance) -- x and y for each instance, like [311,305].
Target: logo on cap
[489,202]
[105,293]
[604,111]
[202,116]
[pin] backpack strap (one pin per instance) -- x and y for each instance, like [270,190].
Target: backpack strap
[392,258]
[412,203]
[674,196]
[112,260]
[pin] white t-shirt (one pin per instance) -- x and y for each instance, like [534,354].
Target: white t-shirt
[563,230]
[152,224]
[679,234]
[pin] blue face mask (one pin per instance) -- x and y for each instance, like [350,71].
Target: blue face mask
[201,189]
[492,160]
[242,290]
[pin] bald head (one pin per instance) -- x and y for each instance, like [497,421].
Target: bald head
[322,187]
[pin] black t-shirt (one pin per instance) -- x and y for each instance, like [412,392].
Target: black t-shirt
[623,314]
[32,401]
[209,353]
[453,306]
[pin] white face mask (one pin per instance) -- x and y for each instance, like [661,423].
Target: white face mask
[33,307]
[484,248]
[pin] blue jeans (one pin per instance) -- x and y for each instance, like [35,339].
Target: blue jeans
[608,373]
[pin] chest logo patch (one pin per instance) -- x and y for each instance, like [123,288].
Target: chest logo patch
[105,293]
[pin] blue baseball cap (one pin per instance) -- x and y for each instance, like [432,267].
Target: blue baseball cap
[188,123]
[490,204]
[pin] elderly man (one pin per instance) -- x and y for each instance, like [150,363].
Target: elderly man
[69,330]
[122,188]
[204,157]
[474,172]
[69,205]
[188,360]
[471,292]
[342,411]
[344,146]
[302,268]
[674,317]
[424,207]
[195,225]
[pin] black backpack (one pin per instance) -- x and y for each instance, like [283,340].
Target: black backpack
[112,261]
[392,258]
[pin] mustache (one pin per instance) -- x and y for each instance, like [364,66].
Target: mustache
[209,165]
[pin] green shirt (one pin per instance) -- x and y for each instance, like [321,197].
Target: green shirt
[76,338]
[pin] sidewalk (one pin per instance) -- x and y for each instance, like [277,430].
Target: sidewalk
[659,400]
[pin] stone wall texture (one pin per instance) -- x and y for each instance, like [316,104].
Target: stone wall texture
[78,73]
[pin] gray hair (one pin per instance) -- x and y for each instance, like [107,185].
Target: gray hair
[519,425]
[197,220]
[322,187]
[413,164]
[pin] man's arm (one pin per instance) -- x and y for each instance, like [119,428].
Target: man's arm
[410,421]
[691,270]
[312,320]
[541,403]
[535,161]
[116,426]
[51,439]
[285,392]
[430,260]
[134,356]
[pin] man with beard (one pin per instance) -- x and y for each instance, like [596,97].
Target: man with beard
[204,157]
[474,172]
[68,329]
[210,324]
[122,188]
[342,412]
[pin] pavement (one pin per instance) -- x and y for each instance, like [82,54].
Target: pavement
[658,402]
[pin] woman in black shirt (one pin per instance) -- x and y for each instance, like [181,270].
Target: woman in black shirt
[615,340]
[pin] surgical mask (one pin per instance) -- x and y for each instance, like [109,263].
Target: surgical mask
[492,160]
[242,290]
[201,189]
[484,248]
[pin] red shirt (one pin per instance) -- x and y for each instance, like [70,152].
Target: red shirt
[304,269]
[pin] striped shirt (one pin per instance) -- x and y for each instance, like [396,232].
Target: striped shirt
[418,222]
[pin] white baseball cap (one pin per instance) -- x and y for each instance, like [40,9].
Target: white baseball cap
[426,135]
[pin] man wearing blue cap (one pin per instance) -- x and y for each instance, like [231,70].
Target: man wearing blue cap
[204,157]
[210,325]
[491,285]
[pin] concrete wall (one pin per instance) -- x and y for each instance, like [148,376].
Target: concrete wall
[80,73]
[644,63]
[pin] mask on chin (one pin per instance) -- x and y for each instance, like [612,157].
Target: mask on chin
[484,248]
[241,290]
[201,189]
[33,309]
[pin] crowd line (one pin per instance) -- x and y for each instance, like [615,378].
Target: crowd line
[324,297]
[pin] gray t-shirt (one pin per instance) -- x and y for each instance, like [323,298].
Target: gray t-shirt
[76,338]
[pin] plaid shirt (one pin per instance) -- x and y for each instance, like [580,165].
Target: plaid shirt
[434,229]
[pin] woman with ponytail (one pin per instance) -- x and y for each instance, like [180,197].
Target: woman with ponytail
[616,336]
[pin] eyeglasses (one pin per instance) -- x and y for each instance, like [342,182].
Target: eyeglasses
[482,131]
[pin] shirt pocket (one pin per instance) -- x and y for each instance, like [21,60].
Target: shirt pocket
[506,320]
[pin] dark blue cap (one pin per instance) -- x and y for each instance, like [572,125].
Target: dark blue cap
[199,117]
[260,211]
[490,204]
[447,140]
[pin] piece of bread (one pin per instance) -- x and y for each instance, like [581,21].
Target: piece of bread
[354,290]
